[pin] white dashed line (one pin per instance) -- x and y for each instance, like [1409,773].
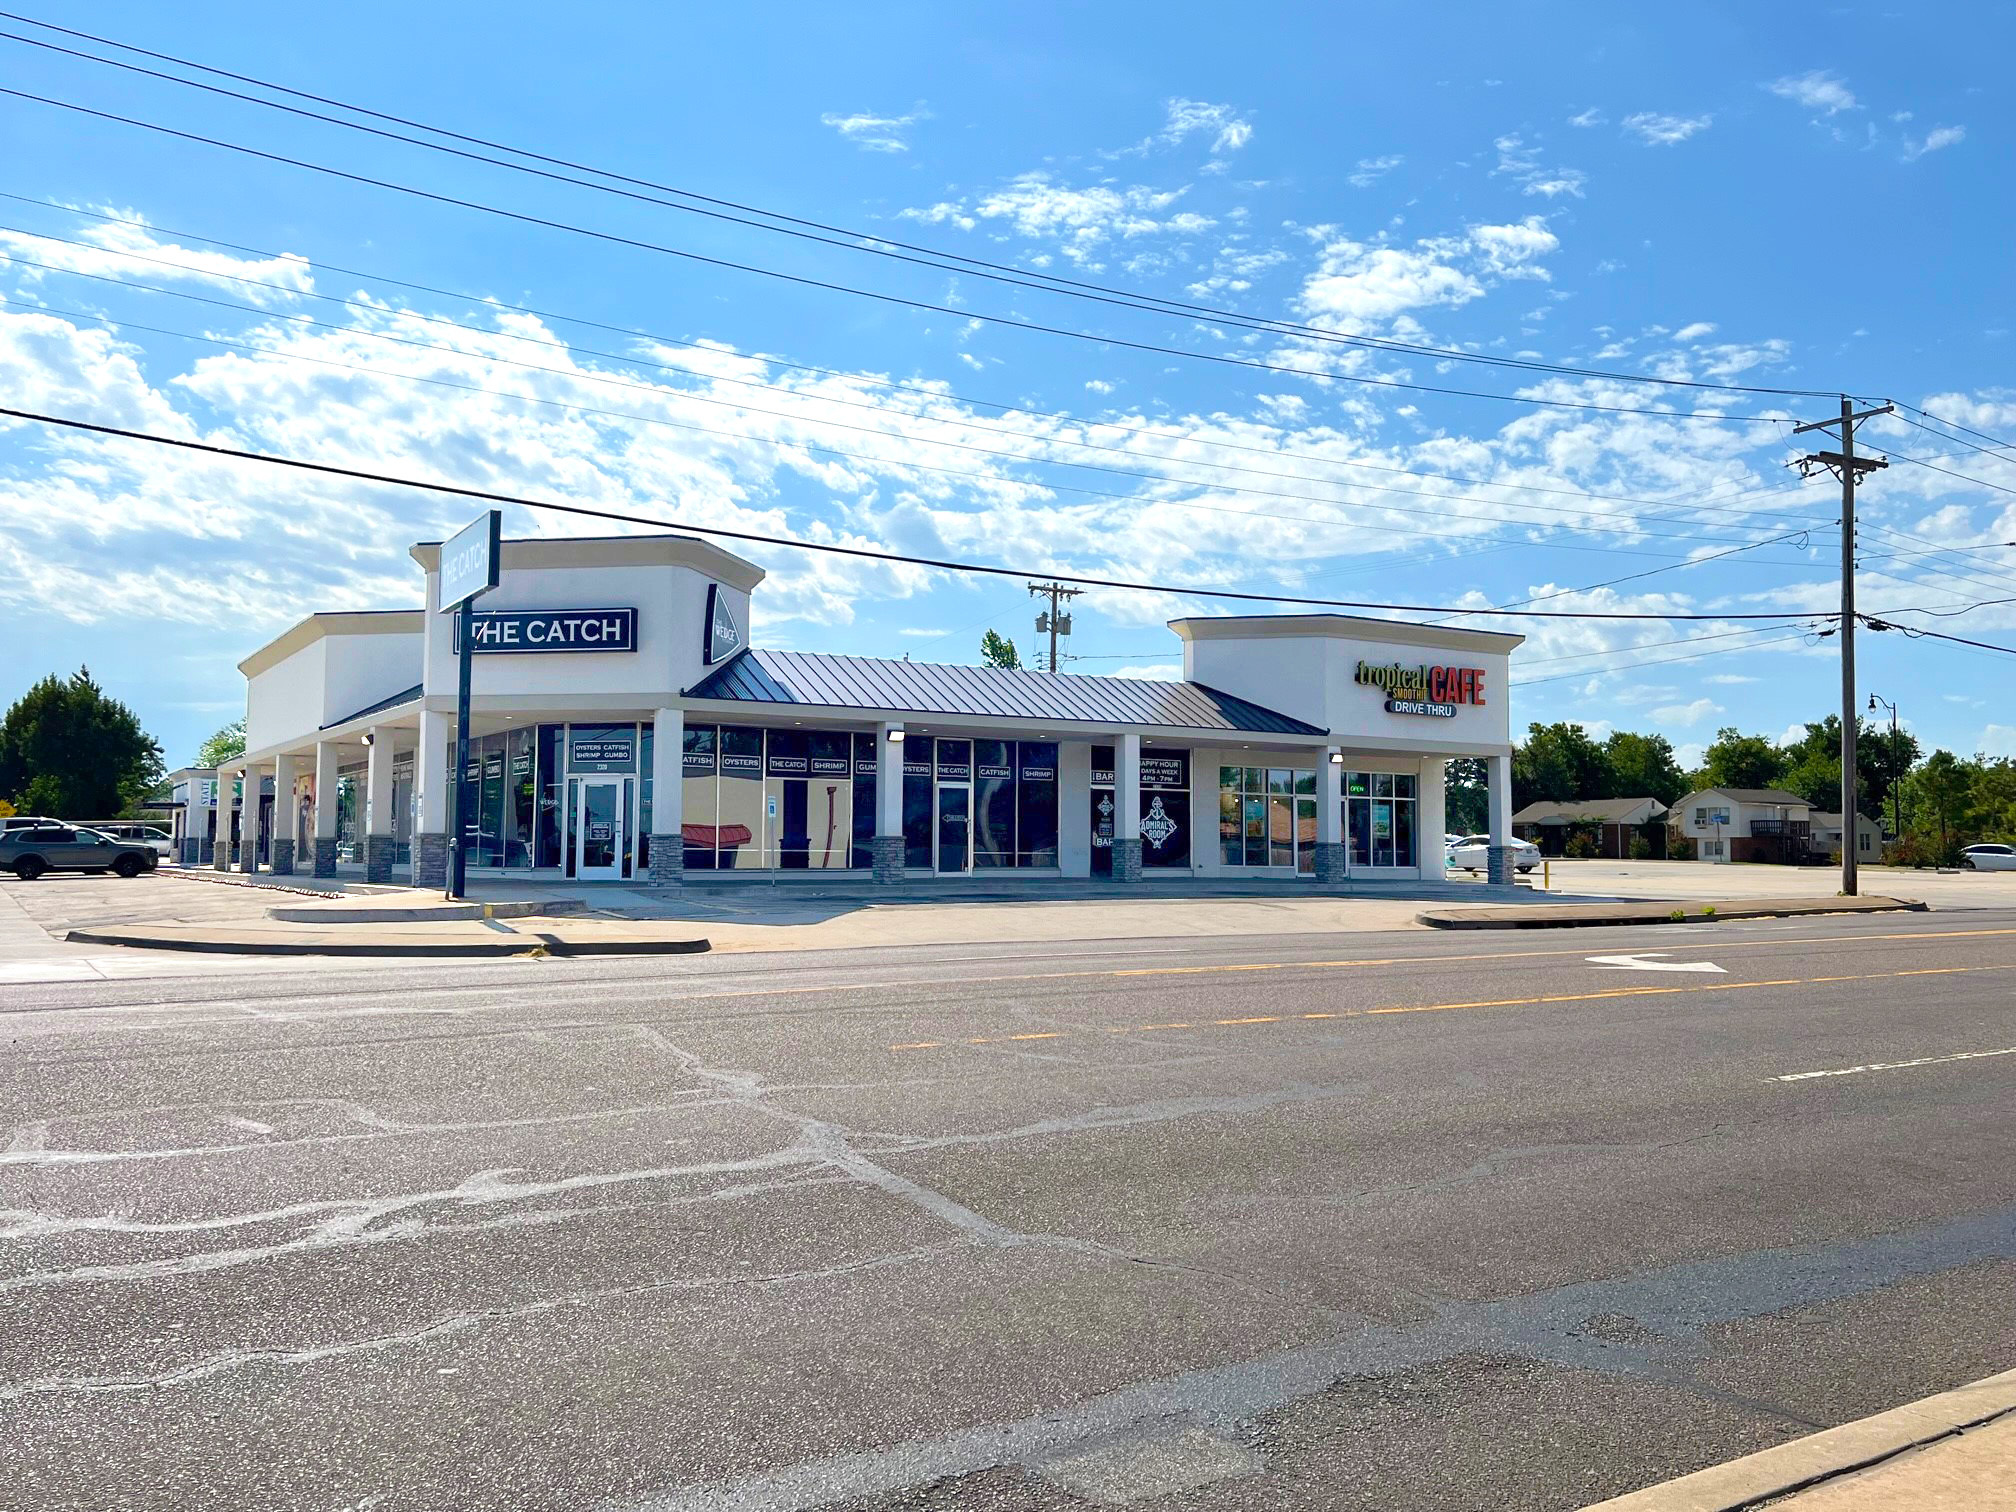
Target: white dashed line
[1927,1060]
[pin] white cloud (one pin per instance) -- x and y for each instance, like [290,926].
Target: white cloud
[1098,386]
[1792,734]
[1687,713]
[1081,221]
[1690,755]
[1934,140]
[1521,163]
[1997,740]
[1657,130]
[1817,90]
[1731,679]
[876,133]
[1371,170]
[1590,117]
[1160,672]
[1359,283]
[1187,118]
[1695,331]
[256,280]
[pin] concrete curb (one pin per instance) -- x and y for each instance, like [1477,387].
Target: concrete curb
[1593,915]
[1825,1456]
[421,913]
[518,945]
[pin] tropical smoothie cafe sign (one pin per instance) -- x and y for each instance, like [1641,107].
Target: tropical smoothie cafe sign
[1434,691]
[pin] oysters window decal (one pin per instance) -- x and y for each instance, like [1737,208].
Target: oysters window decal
[1157,826]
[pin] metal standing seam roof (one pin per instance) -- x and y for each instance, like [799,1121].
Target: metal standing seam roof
[811,678]
[411,695]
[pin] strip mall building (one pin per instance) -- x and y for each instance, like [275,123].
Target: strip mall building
[624,730]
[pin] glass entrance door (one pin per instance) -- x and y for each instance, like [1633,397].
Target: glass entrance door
[955,828]
[598,830]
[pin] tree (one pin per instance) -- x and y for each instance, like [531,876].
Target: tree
[1560,763]
[1936,800]
[1737,760]
[1643,766]
[68,751]
[1882,762]
[1466,794]
[996,650]
[228,744]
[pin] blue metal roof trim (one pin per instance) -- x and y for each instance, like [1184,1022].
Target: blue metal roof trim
[411,695]
[879,683]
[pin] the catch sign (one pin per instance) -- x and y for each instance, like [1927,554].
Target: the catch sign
[544,631]
[469,560]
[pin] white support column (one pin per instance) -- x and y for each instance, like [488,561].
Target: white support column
[220,818]
[1127,809]
[282,855]
[1431,819]
[325,808]
[250,780]
[886,855]
[1500,798]
[668,797]
[1333,861]
[380,826]
[430,785]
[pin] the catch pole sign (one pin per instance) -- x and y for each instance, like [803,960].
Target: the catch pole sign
[469,566]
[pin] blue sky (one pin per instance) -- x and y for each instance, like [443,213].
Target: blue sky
[1799,197]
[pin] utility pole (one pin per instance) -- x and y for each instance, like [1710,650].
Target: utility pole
[1053,620]
[1846,466]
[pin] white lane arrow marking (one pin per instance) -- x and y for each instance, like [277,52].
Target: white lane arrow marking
[1643,962]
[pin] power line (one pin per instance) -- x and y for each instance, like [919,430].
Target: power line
[1949,472]
[591,376]
[1919,632]
[1663,661]
[923,390]
[962,313]
[867,243]
[1681,640]
[824,547]
[1956,425]
[1719,506]
[852,456]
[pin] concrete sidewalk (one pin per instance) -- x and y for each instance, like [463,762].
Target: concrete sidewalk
[463,937]
[1591,914]
[1955,1452]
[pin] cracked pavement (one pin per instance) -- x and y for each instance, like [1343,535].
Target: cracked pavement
[1401,1221]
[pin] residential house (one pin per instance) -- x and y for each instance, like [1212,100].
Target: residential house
[1613,822]
[1744,824]
[1827,831]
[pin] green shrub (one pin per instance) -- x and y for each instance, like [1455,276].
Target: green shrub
[1682,849]
[1581,847]
[1641,848]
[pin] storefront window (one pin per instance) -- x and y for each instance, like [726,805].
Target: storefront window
[738,830]
[697,795]
[1265,819]
[1379,818]
[993,803]
[1036,803]
[521,798]
[1165,807]
[865,770]
[918,754]
[647,744]
[546,823]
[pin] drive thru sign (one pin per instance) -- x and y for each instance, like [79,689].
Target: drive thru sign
[469,565]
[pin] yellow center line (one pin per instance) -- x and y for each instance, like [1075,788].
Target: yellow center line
[1596,995]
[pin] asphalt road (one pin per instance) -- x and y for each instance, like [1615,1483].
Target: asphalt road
[1375,1221]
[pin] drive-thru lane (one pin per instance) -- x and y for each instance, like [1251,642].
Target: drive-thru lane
[1357,1221]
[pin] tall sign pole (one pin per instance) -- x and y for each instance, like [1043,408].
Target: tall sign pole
[1849,468]
[469,563]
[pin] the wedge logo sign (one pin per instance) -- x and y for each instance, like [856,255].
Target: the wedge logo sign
[724,636]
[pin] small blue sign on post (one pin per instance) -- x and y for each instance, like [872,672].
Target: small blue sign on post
[469,560]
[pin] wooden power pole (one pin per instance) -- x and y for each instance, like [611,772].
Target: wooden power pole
[1054,621]
[1849,468]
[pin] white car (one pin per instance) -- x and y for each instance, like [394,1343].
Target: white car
[1471,853]
[152,835]
[1989,858]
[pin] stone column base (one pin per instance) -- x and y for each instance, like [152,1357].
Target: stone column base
[325,856]
[886,855]
[430,860]
[1498,865]
[221,855]
[1127,860]
[283,858]
[1333,861]
[248,854]
[668,860]
[192,850]
[205,848]
[379,854]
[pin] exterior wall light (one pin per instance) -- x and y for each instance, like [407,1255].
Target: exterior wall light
[1336,758]
[370,738]
[896,736]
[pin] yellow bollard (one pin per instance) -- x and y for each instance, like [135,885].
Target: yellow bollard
[1546,876]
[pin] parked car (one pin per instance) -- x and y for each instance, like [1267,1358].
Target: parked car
[29,852]
[1989,858]
[1471,853]
[25,821]
[139,833]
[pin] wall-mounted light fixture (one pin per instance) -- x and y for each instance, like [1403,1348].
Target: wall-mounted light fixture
[896,735]
[1336,758]
[370,738]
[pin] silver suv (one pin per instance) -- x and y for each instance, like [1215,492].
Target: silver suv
[31,850]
